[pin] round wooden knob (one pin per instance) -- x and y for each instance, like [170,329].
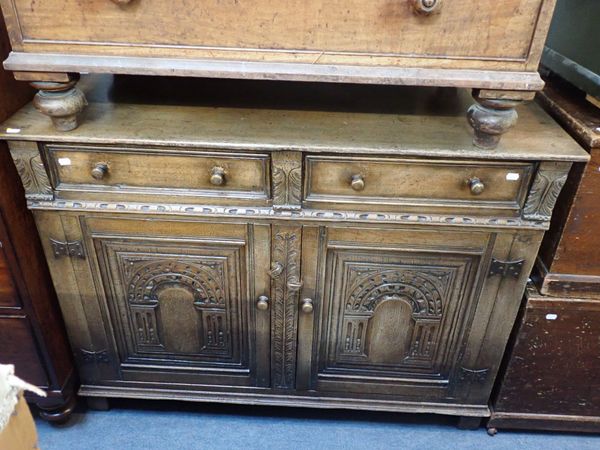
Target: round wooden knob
[217,176]
[307,306]
[357,183]
[99,171]
[427,7]
[263,303]
[476,185]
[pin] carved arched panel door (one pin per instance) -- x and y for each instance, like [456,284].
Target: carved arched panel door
[393,310]
[179,303]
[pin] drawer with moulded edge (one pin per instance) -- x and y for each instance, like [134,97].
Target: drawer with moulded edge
[405,184]
[176,175]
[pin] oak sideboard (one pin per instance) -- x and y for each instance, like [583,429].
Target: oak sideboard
[300,255]
[490,46]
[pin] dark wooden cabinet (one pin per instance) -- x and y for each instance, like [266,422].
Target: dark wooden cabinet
[32,334]
[568,265]
[549,379]
[252,279]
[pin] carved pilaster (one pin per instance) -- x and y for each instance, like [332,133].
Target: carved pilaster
[287,180]
[548,183]
[30,166]
[285,294]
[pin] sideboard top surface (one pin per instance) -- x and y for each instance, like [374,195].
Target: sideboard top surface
[251,115]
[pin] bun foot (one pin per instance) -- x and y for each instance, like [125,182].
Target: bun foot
[58,415]
[62,102]
[492,431]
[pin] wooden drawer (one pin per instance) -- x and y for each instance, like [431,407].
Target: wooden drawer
[485,30]
[381,183]
[150,172]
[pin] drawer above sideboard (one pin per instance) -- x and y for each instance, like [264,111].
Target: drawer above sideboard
[455,33]
[368,183]
[118,173]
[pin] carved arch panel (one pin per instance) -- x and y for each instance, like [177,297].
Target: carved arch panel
[191,294]
[369,289]
[395,309]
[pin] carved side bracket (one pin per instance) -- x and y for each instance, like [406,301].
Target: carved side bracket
[30,167]
[548,183]
[287,180]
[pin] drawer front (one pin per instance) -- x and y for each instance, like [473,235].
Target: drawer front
[160,171]
[360,183]
[487,29]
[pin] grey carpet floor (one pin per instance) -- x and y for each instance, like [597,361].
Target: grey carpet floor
[173,425]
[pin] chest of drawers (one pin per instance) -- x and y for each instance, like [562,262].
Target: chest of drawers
[491,46]
[294,257]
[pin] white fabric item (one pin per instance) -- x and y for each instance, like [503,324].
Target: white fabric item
[10,387]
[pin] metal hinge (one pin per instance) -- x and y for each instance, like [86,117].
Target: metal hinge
[473,376]
[506,268]
[88,356]
[71,249]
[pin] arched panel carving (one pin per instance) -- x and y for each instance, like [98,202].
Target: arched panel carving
[158,292]
[370,288]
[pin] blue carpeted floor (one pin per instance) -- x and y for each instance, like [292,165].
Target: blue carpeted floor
[171,425]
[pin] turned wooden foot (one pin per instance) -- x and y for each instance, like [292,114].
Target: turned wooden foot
[469,423]
[61,101]
[98,403]
[58,414]
[490,119]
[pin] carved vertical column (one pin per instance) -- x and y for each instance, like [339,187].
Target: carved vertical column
[549,181]
[285,299]
[61,101]
[287,180]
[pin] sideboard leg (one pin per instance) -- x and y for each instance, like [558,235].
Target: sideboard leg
[98,403]
[58,414]
[61,101]
[491,118]
[469,423]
